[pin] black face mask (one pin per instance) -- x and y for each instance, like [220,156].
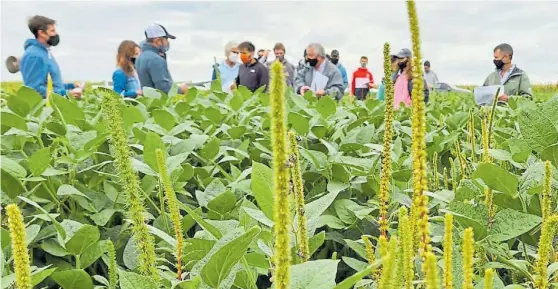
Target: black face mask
[334,61]
[53,40]
[498,63]
[402,65]
[133,60]
[312,62]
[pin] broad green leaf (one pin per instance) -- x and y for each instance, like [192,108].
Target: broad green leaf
[164,118]
[316,208]
[261,184]
[83,238]
[57,225]
[31,232]
[300,123]
[221,263]
[68,190]
[223,202]
[314,274]
[12,167]
[41,274]
[355,264]
[103,216]
[537,129]
[73,279]
[468,215]
[11,186]
[259,216]
[66,110]
[211,149]
[152,143]
[203,223]
[13,120]
[131,280]
[39,161]
[31,96]
[551,154]
[326,106]
[497,178]
[92,253]
[510,223]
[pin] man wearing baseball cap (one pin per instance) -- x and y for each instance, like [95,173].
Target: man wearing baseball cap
[151,65]
[334,58]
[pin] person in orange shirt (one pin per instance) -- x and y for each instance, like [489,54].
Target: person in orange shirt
[362,80]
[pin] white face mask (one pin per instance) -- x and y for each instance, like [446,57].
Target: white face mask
[234,57]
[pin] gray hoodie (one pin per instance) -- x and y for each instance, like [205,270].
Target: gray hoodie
[289,70]
[334,86]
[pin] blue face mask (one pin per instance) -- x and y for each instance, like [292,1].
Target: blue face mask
[165,48]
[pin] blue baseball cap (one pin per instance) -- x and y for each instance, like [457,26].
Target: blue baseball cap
[156,30]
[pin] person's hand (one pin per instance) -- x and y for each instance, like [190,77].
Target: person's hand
[503,97]
[320,92]
[77,84]
[266,53]
[304,89]
[139,92]
[370,85]
[233,86]
[75,93]
[184,88]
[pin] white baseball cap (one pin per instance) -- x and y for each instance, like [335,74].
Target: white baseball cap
[156,30]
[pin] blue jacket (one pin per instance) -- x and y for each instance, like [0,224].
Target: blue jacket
[343,75]
[228,74]
[153,70]
[35,66]
[125,85]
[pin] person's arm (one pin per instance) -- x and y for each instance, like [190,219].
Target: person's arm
[344,75]
[119,80]
[335,88]
[35,72]
[299,80]
[69,86]
[525,86]
[160,75]
[353,83]
[435,80]
[426,91]
[263,78]
[371,77]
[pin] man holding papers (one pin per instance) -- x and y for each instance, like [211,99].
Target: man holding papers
[514,80]
[320,76]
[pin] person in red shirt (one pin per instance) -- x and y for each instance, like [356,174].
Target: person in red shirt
[362,80]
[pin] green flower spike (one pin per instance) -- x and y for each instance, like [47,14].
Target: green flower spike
[19,248]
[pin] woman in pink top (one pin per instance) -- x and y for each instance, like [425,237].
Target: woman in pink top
[404,80]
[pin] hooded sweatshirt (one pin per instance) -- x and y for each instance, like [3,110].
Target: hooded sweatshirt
[35,66]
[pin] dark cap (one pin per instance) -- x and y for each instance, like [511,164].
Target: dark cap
[403,53]
[156,30]
[335,53]
[427,63]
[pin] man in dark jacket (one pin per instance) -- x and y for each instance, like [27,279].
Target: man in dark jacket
[151,65]
[252,73]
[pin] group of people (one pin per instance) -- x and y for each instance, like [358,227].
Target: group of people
[145,65]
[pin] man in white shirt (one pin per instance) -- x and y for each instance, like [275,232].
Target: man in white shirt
[430,77]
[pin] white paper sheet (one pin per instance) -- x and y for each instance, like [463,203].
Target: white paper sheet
[319,82]
[361,82]
[485,94]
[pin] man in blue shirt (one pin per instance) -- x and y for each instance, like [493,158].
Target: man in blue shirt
[151,65]
[37,63]
[334,58]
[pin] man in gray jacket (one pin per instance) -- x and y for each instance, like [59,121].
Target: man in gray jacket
[288,68]
[311,77]
[151,65]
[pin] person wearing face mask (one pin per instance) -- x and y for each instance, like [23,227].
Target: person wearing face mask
[228,69]
[37,62]
[151,65]
[125,79]
[514,80]
[403,88]
[334,58]
[288,68]
[394,68]
[362,80]
[252,74]
[320,75]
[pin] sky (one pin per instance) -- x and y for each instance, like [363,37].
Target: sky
[458,37]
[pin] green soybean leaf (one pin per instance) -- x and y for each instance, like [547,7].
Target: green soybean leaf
[261,184]
[537,129]
[222,262]
[510,223]
[84,237]
[73,279]
[326,106]
[131,280]
[314,274]
[351,281]
[39,161]
[13,120]
[152,143]
[497,178]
